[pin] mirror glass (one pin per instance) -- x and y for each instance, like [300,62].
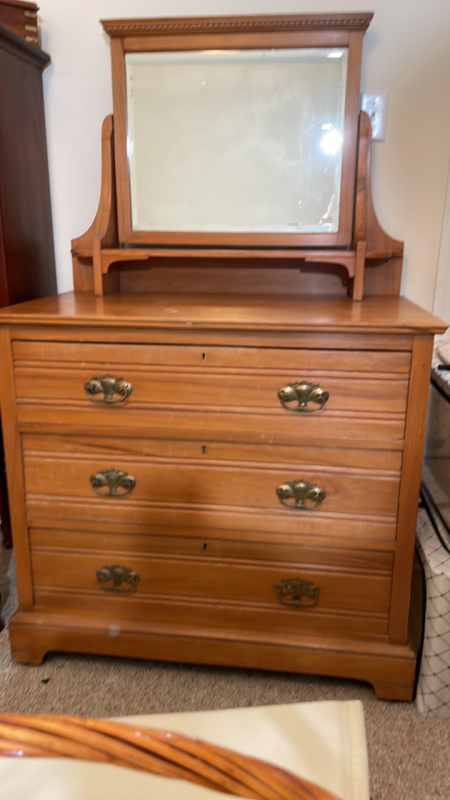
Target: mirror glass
[236,141]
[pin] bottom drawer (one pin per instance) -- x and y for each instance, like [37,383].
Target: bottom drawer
[243,593]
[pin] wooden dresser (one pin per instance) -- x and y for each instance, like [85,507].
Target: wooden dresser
[235,528]
[214,453]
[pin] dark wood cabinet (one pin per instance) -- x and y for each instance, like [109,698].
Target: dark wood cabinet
[27,260]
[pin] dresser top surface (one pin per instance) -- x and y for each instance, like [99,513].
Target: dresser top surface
[232,311]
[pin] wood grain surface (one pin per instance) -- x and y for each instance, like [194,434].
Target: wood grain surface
[385,315]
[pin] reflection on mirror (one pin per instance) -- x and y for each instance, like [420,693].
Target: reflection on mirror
[236,141]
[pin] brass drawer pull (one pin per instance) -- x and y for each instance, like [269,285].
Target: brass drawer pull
[303,393]
[291,592]
[112,483]
[300,494]
[114,390]
[110,578]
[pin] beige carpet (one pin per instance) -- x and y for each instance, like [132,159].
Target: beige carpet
[409,755]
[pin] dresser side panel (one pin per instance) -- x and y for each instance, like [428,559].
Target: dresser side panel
[14,473]
[409,487]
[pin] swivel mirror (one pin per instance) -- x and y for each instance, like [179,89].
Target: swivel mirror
[237,133]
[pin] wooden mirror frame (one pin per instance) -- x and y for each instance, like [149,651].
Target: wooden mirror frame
[238,33]
[370,261]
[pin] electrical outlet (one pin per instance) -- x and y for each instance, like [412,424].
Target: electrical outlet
[375,105]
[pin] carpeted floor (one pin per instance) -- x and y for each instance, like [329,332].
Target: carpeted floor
[409,755]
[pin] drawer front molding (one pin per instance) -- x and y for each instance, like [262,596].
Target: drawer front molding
[318,356]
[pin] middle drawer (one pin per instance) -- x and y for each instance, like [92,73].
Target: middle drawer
[106,479]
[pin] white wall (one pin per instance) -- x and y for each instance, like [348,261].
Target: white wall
[406,52]
[441,306]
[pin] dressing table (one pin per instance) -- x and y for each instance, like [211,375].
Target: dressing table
[214,443]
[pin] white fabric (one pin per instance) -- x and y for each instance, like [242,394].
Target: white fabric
[433,687]
[323,742]
[442,351]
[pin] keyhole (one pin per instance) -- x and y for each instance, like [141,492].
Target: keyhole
[204,448]
[205,546]
[203,356]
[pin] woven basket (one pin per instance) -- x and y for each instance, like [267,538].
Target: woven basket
[158,752]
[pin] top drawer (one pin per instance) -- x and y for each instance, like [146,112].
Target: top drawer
[166,355]
[264,387]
